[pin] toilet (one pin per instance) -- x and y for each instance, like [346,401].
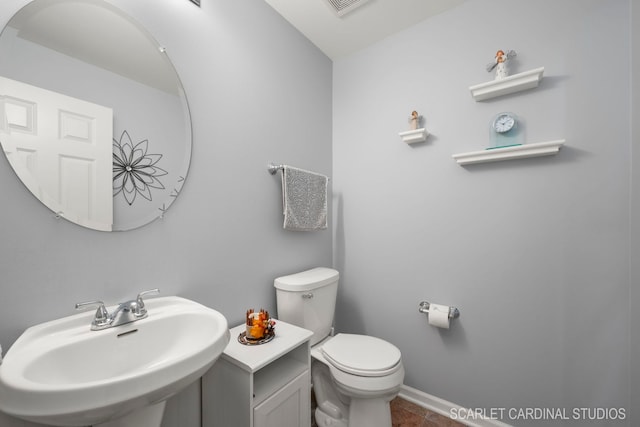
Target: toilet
[354,376]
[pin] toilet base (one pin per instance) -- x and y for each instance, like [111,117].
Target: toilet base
[340,406]
[370,413]
[324,420]
[362,413]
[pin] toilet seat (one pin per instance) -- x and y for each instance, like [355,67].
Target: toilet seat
[362,355]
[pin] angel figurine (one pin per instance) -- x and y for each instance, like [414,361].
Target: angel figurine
[413,120]
[500,63]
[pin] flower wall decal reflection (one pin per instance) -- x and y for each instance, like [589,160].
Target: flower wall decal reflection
[134,170]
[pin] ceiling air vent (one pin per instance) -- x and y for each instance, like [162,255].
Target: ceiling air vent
[342,7]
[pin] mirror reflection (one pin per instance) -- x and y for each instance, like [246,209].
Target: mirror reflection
[96,123]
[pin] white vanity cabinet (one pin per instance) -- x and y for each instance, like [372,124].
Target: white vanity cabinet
[266,385]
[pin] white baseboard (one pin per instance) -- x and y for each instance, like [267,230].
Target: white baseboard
[443,407]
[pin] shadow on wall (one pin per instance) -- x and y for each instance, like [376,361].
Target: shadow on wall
[348,318]
[454,337]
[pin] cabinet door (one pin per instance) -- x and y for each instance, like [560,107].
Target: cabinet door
[288,407]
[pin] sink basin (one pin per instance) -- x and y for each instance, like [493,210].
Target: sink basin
[62,373]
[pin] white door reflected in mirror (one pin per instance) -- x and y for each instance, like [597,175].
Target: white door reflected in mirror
[92,51]
[60,147]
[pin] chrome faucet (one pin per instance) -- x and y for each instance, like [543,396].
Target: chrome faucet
[126,312]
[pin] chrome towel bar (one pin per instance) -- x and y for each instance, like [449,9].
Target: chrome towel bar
[273,168]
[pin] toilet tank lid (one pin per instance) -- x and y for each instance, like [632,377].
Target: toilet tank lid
[307,280]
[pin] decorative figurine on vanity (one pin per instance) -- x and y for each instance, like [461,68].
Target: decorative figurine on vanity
[500,63]
[260,328]
[415,132]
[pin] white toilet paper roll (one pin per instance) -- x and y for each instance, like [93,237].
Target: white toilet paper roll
[439,315]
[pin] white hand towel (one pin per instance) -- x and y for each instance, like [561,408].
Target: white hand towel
[304,199]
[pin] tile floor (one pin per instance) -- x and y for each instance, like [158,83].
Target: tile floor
[407,414]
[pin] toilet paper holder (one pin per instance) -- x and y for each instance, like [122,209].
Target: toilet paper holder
[454,313]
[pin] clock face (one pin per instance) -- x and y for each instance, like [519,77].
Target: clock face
[504,123]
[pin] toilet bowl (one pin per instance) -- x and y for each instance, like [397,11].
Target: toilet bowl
[354,376]
[366,374]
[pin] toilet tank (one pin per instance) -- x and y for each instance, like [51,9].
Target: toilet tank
[308,300]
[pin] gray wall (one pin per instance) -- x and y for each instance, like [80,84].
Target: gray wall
[535,253]
[258,92]
[634,290]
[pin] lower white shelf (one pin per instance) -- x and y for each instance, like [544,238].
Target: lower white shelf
[507,153]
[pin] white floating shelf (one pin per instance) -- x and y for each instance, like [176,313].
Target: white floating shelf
[413,136]
[510,84]
[507,153]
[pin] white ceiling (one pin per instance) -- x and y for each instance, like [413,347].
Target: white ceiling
[374,20]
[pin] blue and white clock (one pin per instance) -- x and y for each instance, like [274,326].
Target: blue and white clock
[505,131]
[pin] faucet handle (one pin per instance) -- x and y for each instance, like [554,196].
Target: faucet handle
[102,315]
[141,310]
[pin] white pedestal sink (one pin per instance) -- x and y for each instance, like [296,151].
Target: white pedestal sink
[62,373]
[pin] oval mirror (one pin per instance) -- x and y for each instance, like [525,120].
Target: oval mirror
[95,120]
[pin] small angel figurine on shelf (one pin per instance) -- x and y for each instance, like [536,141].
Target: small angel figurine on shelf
[415,132]
[414,120]
[500,63]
